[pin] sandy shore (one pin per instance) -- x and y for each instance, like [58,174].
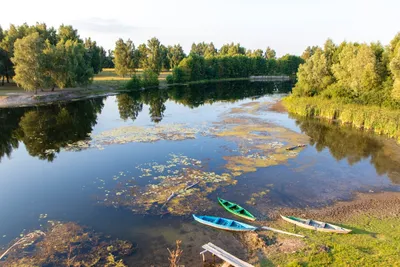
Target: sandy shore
[26,99]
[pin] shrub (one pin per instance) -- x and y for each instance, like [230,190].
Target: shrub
[178,75]
[170,79]
[149,78]
[135,83]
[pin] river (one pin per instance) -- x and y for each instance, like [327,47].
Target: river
[110,163]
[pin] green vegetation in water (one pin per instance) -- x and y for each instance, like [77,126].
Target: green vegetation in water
[137,134]
[67,244]
[260,144]
[380,120]
[256,196]
[180,187]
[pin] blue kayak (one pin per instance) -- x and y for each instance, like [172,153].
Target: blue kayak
[224,224]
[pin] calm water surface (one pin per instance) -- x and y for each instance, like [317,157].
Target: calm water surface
[41,174]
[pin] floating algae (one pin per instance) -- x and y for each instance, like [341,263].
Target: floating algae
[68,244]
[139,134]
[260,143]
[255,196]
[181,176]
[151,197]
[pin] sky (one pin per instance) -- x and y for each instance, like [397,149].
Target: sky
[288,26]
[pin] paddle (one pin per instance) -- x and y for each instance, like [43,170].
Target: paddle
[280,231]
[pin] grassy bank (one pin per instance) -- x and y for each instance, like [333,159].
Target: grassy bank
[374,241]
[382,121]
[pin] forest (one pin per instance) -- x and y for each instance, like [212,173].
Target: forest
[38,57]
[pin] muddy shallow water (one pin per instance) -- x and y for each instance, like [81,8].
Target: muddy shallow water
[111,164]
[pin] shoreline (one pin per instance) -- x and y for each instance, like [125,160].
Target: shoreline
[48,98]
[28,99]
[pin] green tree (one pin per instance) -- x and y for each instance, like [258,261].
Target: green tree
[123,57]
[94,54]
[356,70]
[270,53]
[329,50]
[9,37]
[165,62]
[29,63]
[313,76]
[210,50]
[309,52]
[395,69]
[80,70]
[175,55]
[154,57]
[289,64]
[108,58]
[67,32]
[232,50]
[142,53]
[255,53]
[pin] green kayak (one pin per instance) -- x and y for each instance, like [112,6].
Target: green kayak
[236,209]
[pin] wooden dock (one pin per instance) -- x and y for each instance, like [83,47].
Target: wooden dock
[269,78]
[229,259]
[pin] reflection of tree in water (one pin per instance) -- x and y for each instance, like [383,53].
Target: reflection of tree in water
[353,145]
[9,119]
[199,94]
[129,106]
[46,130]
[156,100]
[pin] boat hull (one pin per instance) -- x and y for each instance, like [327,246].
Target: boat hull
[317,225]
[246,215]
[224,224]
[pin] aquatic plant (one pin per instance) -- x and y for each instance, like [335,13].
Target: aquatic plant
[175,255]
[259,145]
[68,244]
[380,120]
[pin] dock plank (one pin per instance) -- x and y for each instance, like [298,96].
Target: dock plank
[225,256]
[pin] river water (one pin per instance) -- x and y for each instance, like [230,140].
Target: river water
[111,163]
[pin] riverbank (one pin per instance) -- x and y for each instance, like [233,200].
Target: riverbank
[383,121]
[20,98]
[375,240]
[27,99]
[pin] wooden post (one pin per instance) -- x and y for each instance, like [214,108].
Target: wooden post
[204,256]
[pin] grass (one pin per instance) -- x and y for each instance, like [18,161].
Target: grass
[374,242]
[382,121]
[10,88]
[109,78]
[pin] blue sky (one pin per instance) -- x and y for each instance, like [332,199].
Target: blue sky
[288,26]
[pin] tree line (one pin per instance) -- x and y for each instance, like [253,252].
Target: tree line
[352,72]
[40,57]
[197,67]
[204,61]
